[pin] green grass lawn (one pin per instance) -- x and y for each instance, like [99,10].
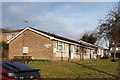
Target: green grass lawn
[77,69]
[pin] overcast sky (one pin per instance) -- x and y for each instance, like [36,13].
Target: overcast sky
[68,19]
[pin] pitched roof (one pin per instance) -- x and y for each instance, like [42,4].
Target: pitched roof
[56,36]
[52,37]
[3,30]
[82,43]
[46,34]
[9,31]
[12,31]
[87,44]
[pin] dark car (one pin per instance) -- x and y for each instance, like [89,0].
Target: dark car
[16,71]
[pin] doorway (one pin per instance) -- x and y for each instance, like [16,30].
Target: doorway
[69,51]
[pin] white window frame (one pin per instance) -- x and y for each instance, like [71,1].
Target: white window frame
[60,46]
[94,51]
[85,51]
[77,49]
[9,36]
[25,50]
[118,48]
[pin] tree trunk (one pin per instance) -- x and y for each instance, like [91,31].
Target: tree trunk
[115,49]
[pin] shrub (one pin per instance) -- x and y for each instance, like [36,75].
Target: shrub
[4,45]
[43,60]
[5,59]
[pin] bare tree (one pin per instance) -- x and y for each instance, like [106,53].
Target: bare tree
[109,28]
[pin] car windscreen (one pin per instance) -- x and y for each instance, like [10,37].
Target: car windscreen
[18,66]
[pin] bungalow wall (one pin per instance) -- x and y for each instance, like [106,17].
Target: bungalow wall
[38,46]
[77,52]
[89,54]
[58,53]
[30,43]
[64,52]
[100,52]
[93,54]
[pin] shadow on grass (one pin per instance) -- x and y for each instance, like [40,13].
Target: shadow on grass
[96,70]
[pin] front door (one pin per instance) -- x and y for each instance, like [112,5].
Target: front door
[69,51]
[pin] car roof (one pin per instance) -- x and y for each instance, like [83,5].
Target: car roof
[16,66]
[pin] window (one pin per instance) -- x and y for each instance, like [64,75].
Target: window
[77,49]
[85,51]
[118,48]
[72,47]
[9,36]
[60,46]
[111,49]
[63,46]
[93,51]
[88,50]
[25,50]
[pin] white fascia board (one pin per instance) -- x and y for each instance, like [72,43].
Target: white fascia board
[52,38]
[16,35]
[66,41]
[90,47]
[86,43]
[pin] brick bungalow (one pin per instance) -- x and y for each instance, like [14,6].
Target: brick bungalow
[90,50]
[43,45]
[5,35]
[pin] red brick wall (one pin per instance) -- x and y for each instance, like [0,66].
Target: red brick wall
[35,43]
[4,53]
